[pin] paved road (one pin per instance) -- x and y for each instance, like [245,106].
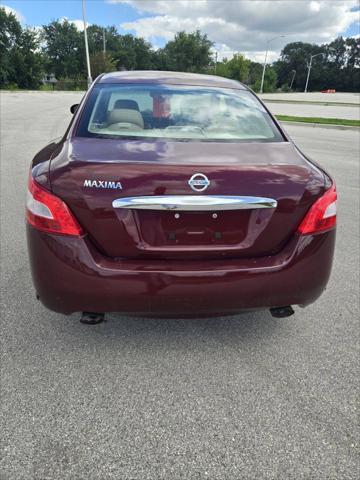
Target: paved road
[305,110]
[246,397]
[350,111]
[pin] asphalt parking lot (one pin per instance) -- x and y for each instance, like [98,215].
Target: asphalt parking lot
[243,397]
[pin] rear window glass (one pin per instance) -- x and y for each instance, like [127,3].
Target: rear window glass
[175,112]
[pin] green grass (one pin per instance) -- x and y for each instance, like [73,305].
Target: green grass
[319,120]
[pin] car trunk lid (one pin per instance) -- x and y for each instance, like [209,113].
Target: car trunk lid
[98,178]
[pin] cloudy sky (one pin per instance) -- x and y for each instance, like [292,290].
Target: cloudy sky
[234,25]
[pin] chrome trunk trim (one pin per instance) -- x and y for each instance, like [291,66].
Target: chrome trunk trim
[194,202]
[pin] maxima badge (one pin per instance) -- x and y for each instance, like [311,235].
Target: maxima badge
[102,184]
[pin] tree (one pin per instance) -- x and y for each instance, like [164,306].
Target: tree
[64,49]
[95,35]
[338,67]
[244,70]
[255,74]
[188,52]
[27,60]
[237,68]
[10,33]
[352,52]
[160,60]
[21,62]
[133,53]
[342,64]
[295,56]
[101,63]
[270,80]
[59,49]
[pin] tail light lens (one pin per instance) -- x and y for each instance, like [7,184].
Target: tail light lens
[47,212]
[322,214]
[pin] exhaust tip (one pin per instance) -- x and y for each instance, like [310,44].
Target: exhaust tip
[282,312]
[92,318]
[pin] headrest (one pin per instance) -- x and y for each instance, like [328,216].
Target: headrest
[124,103]
[126,115]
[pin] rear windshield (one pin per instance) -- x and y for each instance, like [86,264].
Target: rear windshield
[175,112]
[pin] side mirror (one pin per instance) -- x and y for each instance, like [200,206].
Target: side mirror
[73,108]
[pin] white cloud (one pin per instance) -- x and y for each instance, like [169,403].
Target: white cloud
[79,24]
[244,25]
[315,6]
[17,14]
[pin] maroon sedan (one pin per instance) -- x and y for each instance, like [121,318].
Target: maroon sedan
[176,194]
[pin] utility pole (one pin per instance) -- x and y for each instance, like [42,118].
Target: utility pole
[89,78]
[266,54]
[216,58]
[309,69]
[263,73]
[104,42]
[292,80]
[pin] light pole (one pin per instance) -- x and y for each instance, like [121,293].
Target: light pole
[89,78]
[293,77]
[267,48]
[309,68]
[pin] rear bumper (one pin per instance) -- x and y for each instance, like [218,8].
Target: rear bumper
[70,275]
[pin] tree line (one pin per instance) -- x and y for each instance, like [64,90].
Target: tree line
[58,49]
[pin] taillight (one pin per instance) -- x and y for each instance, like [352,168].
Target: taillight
[322,214]
[48,213]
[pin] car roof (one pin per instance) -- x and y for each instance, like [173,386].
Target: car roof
[173,78]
